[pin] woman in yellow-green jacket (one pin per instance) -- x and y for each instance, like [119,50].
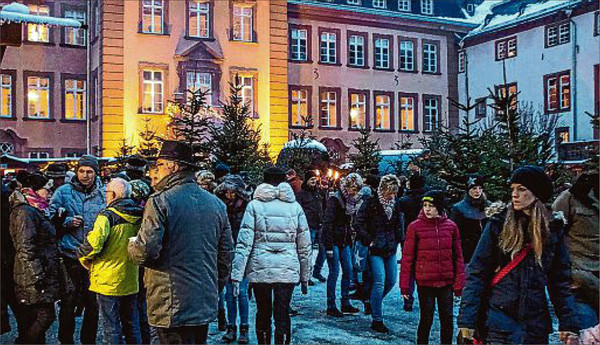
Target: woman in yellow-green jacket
[113,276]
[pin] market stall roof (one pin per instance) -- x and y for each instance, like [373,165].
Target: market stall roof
[19,13]
[306,144]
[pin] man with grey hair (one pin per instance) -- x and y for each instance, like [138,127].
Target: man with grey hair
[113,276]
[186,247]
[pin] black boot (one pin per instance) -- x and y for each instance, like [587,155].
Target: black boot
[231,334]
[243,339]
[378,326]
[221,320]
[263,336]
[368,308]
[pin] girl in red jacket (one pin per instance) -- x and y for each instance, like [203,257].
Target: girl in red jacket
[432,255]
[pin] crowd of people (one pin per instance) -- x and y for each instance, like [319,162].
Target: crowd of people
[158,251]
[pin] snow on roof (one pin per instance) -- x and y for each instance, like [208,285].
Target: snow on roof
[16,7]
[305,143]
[494,15]
[18,13]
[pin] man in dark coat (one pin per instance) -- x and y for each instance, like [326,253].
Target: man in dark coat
[186,247]
[410,205]
[311,199]
[469,216]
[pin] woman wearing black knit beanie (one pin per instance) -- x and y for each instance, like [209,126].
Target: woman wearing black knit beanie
[520,255]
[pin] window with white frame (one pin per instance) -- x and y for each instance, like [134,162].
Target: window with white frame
[430,58]
[153,16]
[7,148]
[152,91]
[407,55]
[353,2]
[380,3]
[6,95]
[200,81]
[431,113]
[356,50]
[328,47]
[247,92]
[243,22]
[470,8]
[481,107]
[512,94]
[73,154]
[199,18]
[299,44]
[462,62]
[427,6]
[383,114]
[382,53]
[38,32]
[558,34]
[358,110]
[75,99]
[407,113]
[328,100]
[75,36]
[38,155]
[506,48]
[404,5]
[558,92]
[299,107]
[38,97]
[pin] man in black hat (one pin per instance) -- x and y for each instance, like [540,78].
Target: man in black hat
[185,244]
[57,173]
[469,215]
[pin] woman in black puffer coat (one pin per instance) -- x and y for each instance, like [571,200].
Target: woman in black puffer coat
[36,261]
[515,310]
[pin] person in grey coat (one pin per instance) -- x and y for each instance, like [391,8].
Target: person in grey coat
[79,202]
[185,245]
[273,253]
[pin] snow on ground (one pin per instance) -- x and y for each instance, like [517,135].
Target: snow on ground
[313,326]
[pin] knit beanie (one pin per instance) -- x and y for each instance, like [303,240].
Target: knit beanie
[89,161]
[474,181]
[535,179]
[56,170]
[35,181]
[437,198]
[416,182]
[274,176]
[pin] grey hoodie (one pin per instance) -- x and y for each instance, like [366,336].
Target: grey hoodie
[274,241]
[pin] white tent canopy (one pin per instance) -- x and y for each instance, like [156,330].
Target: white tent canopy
[19,13]
[306,143]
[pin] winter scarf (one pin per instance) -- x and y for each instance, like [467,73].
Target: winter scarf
[513,236]
[34,199]
[388,204]
[351,201]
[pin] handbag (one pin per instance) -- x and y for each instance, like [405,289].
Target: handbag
[503,272]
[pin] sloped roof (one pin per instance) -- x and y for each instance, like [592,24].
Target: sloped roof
[186,47]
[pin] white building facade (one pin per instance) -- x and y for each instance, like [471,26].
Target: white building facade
[549,52]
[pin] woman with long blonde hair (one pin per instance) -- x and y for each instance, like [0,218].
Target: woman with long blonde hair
[520,254]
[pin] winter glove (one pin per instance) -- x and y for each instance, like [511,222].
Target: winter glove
[568,338]
[304,288]
[590,336]
[236,288]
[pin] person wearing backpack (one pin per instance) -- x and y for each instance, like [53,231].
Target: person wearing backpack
[520,255]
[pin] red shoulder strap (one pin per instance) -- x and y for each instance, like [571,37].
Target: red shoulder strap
[511,265]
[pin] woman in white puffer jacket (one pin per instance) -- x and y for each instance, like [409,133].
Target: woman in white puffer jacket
[273,251]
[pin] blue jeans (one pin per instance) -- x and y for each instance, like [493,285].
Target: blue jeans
[233,302]
[341,256]
[321,256]
[385,275]
[588,317]
[120,317]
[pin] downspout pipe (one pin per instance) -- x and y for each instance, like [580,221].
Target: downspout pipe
[573,81]
[88,77]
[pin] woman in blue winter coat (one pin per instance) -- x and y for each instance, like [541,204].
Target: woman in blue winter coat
[521,254]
